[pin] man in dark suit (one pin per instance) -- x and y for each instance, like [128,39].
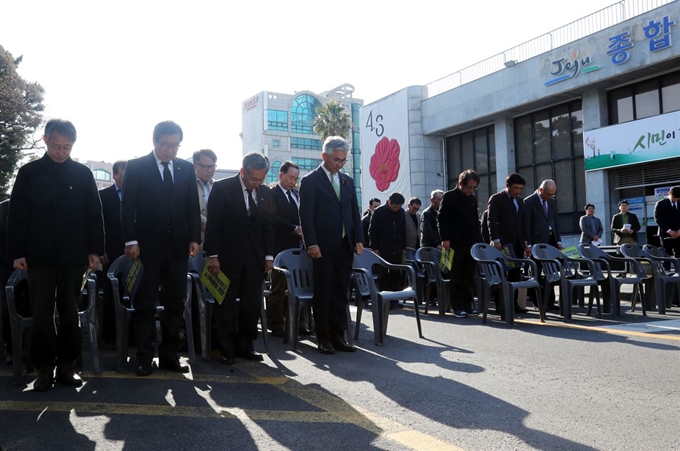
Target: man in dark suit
[6,268]
[162,227]
[429,230]
[667,217]
[540,214]
[287,235]
[239,241]
[55,232]
[459,229]
[506,223]
[331,226]
[388,240]
[110,198]
[366,219]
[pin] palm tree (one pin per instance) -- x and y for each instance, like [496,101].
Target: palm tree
[332,120]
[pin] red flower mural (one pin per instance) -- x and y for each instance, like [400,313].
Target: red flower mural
[384,167]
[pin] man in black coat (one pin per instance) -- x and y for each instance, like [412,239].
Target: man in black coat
[331,227]
[287,235]
[429,230]
[162,227]
[388,239]
[620,220]
[6,268]
[55,232]
[459,230]
[667,217]
[111,200]
[366,219]
[239,241]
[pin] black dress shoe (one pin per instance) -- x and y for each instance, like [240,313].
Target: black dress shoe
[143,371]
[304,331]
[341,345]
[66,376]
[325,347]
[250,355]
[227,360]
[173,365]
[520,310]
[553,308]
[277,331]
[44,381]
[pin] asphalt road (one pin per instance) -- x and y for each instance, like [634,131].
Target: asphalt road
[587,385]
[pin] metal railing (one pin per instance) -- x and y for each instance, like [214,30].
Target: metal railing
[604,18]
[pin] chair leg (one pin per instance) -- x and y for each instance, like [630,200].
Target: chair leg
[91,322]
[541,305]
[420,329]
[17,349]
[428,293]
[509,307]
[263,322]
[188,323]
[360,308]
[348,328]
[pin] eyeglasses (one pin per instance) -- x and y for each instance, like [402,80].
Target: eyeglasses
[339,161]
[255,181]
[166,146]
[207,167]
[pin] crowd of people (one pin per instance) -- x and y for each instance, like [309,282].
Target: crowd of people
[163,210]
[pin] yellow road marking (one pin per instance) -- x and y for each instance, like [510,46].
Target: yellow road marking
[606,330]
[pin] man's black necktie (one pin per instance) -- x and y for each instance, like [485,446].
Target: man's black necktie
[167,178]
[252,206]
[293,205]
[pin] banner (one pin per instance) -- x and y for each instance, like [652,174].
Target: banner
[641,141]
[385,157]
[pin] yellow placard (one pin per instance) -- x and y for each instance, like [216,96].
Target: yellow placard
[571,252]
[133,277]
[85,277]
[216,285]
[446,260]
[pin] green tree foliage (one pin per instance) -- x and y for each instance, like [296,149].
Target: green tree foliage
[332,120]
[20,115]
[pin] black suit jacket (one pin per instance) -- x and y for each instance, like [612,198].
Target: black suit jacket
[617,225]
[322,214]
[458,221]
[229,229]
[149,215]
[505,224]
[537,223]
[286,219]
[55,215]
[429,231]
[112,225]
[666,217]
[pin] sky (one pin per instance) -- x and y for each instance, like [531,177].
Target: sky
[116,69]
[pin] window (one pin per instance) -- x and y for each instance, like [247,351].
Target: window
[101,174]
[277,120]
[302,113]
[305,143]
[474,150]
[277,143]
[645,99]
[307,163]
[549,145]
[273,174]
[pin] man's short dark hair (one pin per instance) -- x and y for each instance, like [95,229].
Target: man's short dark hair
[61,126]
[588,206]
[675,191]
[466,176]
[375,199]
[204,153]
[415,200]
[287,165]
[118,165]
[396,199]
[166,128]
[624,201]
[515,179]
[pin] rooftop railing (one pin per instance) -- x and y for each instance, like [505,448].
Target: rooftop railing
[604,18]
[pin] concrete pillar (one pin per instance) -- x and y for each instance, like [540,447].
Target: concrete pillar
[505,150]
[595,115]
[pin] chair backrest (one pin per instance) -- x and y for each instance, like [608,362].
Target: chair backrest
[555,264]
[591,251]
[633,250]
[410,254]
[368,260]
[16,292]
[196,263]
[427,255]
[301,269]
[654,251]
[116,271]
[487,257]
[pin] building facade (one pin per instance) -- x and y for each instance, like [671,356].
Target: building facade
[600,115]
[280,126]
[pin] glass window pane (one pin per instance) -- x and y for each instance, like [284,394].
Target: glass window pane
[523,141]
[565,186]
[483,191]
[481,151]
[647,99]
[580,188]
[453,159]
[577,131]
[670,92]
[561,132]
[467,152]
[621,105]
[529,177]
[542,136]
[492,149]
